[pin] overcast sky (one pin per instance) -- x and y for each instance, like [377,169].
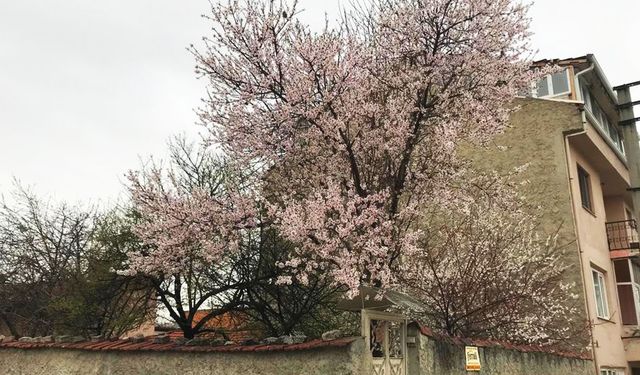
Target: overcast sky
[88,88]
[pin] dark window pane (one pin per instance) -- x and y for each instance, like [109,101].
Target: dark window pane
[585,188]
[627,305]
[622,271]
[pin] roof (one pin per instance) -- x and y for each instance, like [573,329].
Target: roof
[235,325]
[149,346]
[375,298]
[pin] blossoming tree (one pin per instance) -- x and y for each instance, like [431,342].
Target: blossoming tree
[355,127]
[484,269]
[193,217]
[208,250]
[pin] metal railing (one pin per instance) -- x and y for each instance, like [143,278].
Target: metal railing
[622,235]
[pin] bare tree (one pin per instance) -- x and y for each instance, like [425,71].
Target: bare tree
[55,276]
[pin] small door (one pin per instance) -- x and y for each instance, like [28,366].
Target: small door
[385,335]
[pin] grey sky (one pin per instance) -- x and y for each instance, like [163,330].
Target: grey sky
[87,88]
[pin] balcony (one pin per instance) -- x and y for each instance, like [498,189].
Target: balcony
[622,237]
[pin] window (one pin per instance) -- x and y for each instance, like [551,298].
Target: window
[560,82]
[601,119]
[553,85]
[599,288]
[628,283]
[586,96]
[611,371]
[585,189]
[542,87]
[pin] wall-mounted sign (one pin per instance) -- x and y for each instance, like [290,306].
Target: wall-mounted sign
[472,358]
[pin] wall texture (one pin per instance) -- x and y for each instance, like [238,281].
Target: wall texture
[429,355]
[438,356]
[56,361]
[536,139]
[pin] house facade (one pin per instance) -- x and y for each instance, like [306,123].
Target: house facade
[582,159]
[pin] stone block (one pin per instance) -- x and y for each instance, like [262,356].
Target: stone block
[296,339]
[161,339]
[272,340]
[331,335]
[217,342]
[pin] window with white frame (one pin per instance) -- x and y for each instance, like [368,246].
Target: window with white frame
[553,85]
[611,371]
[600,293]
[601,118]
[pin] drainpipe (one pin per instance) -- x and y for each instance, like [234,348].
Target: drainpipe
[576,84]
[567,135]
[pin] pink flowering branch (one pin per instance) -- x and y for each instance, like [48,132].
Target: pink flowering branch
[182,224]
[483,269]
[356,127]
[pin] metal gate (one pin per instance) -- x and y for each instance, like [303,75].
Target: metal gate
[385,335]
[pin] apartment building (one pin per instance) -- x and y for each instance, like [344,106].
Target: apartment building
[582,161]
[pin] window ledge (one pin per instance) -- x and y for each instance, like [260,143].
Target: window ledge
[606,320]
[590,211]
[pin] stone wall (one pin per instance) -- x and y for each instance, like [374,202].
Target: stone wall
[338,360]
[442,356]
[429,355]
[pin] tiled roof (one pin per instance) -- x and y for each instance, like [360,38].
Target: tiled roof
[235,326]
[149,345]
[501,344]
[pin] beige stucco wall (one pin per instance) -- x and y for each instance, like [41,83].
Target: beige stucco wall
[535,138]
[611,351]
[338,361]
[615,208]
[608,345]
[538,137]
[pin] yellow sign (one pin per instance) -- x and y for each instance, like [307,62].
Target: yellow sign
[472,358]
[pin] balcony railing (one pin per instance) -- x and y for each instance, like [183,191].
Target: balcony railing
[622,235]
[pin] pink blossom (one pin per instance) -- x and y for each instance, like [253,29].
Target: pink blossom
[355,128]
